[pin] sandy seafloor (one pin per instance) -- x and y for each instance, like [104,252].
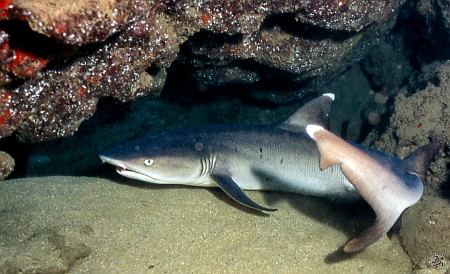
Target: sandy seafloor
[95,225]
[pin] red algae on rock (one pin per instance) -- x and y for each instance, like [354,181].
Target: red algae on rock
[78,52]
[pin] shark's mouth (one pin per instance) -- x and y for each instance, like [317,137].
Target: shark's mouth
[122,170]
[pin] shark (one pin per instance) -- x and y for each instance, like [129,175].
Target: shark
[291,156]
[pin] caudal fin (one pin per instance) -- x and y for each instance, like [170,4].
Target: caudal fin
[388,184]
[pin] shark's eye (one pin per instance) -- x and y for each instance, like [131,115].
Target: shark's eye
[148,162]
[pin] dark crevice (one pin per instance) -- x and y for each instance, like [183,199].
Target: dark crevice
[210,39]
[445,187]
[183,86]
[109,110]
[19,151]
[22,37]
[372,79]
[72,54]
[153,70]
[287,22]
[425,37]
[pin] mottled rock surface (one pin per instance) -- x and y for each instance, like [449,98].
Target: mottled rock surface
[425,230]
[6,165]
[85,50]
[421,115]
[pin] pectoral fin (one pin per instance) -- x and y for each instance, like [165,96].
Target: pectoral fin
[236,193]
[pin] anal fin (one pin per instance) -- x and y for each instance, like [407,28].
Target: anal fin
[227,184]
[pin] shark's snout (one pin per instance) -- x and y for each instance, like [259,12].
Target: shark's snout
[103,158]
[106,159]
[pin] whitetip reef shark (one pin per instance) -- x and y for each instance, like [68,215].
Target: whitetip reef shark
[298,155]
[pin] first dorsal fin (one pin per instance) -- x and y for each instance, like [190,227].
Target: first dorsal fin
[314,112]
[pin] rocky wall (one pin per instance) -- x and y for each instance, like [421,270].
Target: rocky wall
[59,57]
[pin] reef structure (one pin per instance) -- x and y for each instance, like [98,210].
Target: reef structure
[6,165]
[59,57]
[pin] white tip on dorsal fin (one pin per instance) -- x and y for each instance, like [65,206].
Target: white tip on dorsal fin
[331,95]
[314,112]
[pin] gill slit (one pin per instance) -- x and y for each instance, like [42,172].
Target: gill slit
[208,165]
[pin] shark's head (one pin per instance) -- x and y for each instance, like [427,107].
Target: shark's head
[162,159]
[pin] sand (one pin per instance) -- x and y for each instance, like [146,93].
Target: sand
[94,225]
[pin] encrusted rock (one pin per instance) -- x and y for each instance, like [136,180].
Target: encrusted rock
[421,118]
[85,50]
[425,230]
[6,165]
[74,23]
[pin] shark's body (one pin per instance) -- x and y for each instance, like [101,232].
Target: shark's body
[281,157]
[256,157]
